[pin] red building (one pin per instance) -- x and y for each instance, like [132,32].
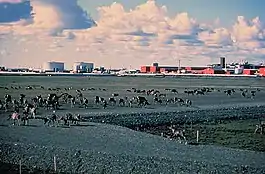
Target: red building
[145,69]
[149,69]
[168,69]
[214,71]
[188,69]
[196,70]
[154,69]
[249,71]
[163,70]
[208,71]
[262,71]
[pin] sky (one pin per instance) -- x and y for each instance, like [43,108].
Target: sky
[131,33]
[203,10]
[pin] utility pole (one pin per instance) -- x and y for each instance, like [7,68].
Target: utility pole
[179,67]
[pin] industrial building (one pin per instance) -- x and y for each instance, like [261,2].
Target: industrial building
[262,72]
[155,68]
[81,67]
[221,68]
[53,67]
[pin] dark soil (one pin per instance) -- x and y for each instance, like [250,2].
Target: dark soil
[7,168]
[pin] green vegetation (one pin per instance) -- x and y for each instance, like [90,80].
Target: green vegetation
[234,134]
[237,134]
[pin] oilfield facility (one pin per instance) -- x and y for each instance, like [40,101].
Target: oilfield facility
[55,68]
[59,67]
[78,67]
[221,68]
[84,68]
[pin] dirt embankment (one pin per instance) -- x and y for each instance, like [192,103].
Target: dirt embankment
[148,119]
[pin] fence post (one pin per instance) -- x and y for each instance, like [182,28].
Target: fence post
[54,161]
[197,136]
[20,167]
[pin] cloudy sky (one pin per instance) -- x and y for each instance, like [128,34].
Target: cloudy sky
[130,33]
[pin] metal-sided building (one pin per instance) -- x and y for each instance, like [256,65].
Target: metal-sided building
[53,66]
[83,67]
[262,71]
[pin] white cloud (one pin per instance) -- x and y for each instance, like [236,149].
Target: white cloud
[249,34]
[245,30]
[51,17]
[11,1]
[218,37]
[60,31]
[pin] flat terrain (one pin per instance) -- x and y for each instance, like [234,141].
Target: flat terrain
[122,139]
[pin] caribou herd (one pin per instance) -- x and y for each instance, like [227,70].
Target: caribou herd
[54,100]
[23,108]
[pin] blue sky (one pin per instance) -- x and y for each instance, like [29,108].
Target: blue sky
[203,10]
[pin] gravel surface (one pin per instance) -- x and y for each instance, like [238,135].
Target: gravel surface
[103,148]
[179,160]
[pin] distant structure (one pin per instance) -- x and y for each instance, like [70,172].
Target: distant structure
[155,64]
[83,67]
[218,68]
[155,68]
[222,62]
[53,67]
[2,68]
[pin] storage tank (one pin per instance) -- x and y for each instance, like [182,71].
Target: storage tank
[53,66]
[239,70]
[83,67]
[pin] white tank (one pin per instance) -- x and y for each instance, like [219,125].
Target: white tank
[238,70]
[53,66]
[83,67]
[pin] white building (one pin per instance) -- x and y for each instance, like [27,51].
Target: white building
[83,67]
[53,66]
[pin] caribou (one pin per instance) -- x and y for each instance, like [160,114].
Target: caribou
[121,102]
[157,100]
[260,127]
[112,101]
[50,120]
[189,92]
[15,117]
[99,100]
[177,133]
[142,101]
[8,98]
